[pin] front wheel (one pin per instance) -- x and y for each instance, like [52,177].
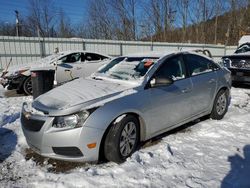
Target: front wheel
[27,86]
[122,139]
[220,106]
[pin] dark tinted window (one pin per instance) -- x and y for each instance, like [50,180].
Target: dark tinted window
[243,48]
[93,57]
[71,58]
[198,65]
[172,68]
[82,57]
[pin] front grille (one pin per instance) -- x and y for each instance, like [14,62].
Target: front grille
[31,124]
[242,72]
[240,63]
[68,151]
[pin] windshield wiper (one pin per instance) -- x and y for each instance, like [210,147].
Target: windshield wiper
[96,78]
[116,76]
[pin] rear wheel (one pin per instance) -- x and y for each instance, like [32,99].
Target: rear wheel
[27,86]
[220,106]
[122,139]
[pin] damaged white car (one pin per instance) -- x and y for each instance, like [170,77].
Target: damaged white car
[131,99]
[68,65]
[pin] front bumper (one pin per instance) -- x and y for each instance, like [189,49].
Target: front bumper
[13,82]
[3,81]
[240,75]
[68,145]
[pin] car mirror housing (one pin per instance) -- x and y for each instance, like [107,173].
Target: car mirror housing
[160,81]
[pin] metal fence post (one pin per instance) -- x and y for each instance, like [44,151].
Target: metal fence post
[83,45]
[121,49]
[1,67]
[42,48]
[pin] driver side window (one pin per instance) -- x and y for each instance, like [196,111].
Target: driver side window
[172,68]
[71,58]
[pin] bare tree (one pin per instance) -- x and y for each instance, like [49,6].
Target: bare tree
[7,29]
[183,6]
[99,23]
[64,27]
[160,16]
[124,18]
[42,17]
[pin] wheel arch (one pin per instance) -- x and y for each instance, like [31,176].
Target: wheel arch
[225,88]
[22,85]
[142,129]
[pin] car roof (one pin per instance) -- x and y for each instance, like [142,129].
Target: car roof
[153,54]
[63,53]
[161,54]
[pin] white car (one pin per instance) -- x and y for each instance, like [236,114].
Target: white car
[68,65]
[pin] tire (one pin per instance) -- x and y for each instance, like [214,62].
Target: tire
[114,149]
[220,105]
[27,86]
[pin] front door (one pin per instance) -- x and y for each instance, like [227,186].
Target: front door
[170,104]
[69,68]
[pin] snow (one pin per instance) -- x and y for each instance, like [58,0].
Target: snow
[206,153]
[244,39]
[73,93]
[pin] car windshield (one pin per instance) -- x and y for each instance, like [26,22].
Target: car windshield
[242,49]
[128,68]
[50,58]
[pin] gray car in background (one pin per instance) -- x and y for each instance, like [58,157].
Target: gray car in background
[131,99]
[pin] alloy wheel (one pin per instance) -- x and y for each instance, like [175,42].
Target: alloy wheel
[221,104]
[128,139]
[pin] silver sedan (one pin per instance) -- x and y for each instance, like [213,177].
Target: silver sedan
[131,99]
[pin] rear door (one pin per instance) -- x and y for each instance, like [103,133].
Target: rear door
[204,80]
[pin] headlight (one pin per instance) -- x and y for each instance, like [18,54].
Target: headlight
[227,62]
[16,73]
[71,121]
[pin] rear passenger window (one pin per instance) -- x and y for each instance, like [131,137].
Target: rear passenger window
[172,68]
[93,57]
[198,65]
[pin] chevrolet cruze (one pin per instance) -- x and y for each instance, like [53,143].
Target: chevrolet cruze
[131,99]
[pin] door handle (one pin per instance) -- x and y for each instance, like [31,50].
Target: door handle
[186,90]
[78,68]
[67,70]
[211,81]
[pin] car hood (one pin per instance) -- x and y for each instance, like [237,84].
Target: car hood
[246,54]
[28,66]
[80,94]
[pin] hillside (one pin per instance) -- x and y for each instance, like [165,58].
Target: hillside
[230,27]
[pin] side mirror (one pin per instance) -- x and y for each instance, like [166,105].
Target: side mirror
[158,82]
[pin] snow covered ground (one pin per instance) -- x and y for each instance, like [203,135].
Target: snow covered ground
[208,153]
